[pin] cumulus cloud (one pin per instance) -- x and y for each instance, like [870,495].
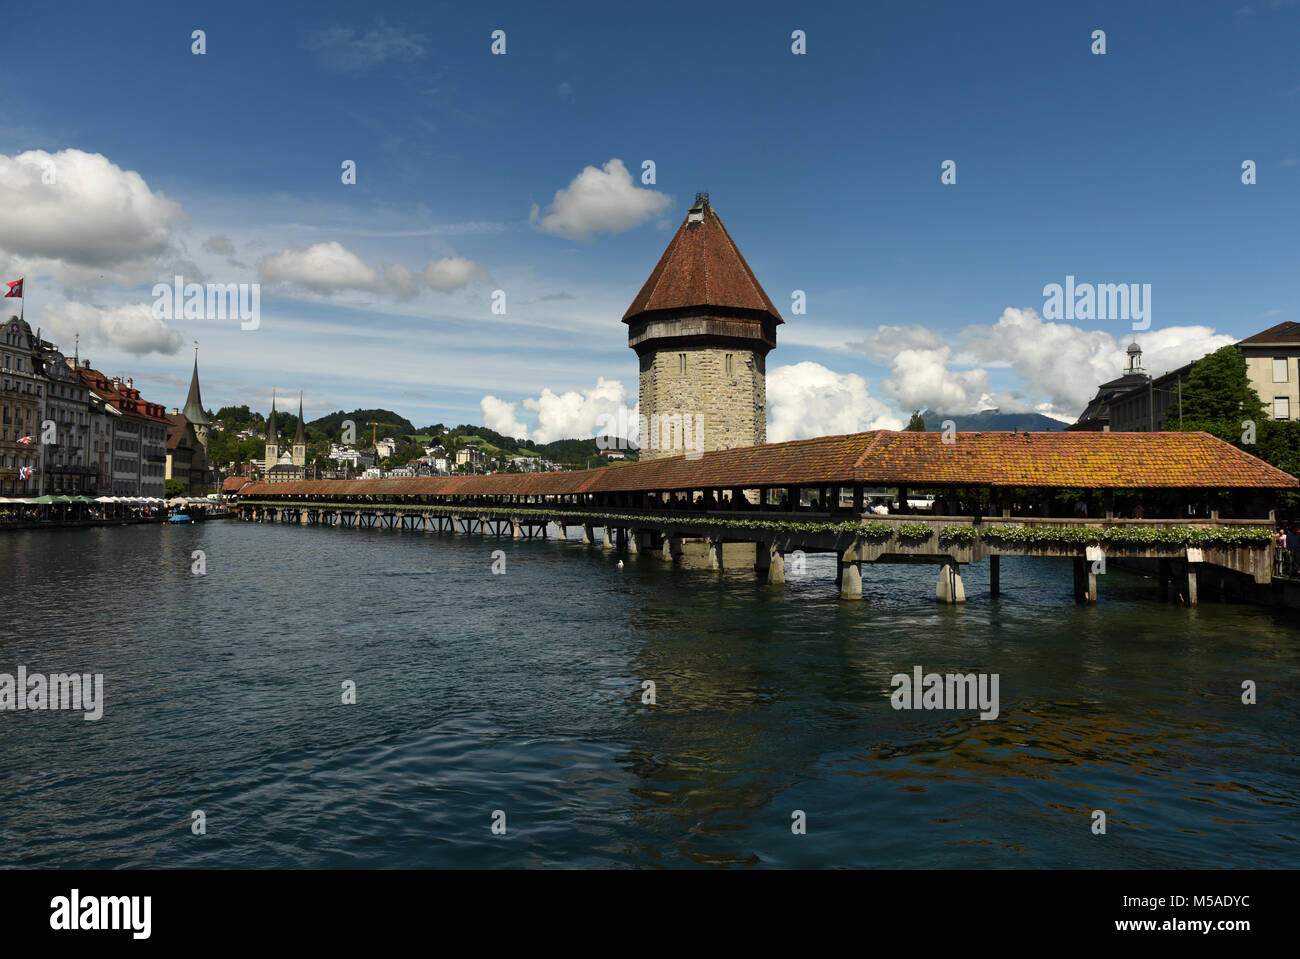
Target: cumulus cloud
[450,273]
[1058,366]
[78,216]
[568,415]
[500,415]
[599,201]
[343,49]
[132,328]
[321,268]
[807,399]
[328,268]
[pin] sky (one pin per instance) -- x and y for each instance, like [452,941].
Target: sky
[518,179]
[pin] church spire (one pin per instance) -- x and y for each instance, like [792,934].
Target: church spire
[194,402]
[270,426]
[298,439]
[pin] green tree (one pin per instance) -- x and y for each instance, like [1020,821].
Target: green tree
[1218,396]
[173,488]
[916,424]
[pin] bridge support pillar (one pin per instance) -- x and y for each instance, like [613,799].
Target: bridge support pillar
[515,531]
[1085,581]
[715,554]
[950,588]
[607,538]
[588,534]
[1193,576]
[995,575]
[850,575]
[633,541]
[1165,574]
[776,565]
[564,530]
[672,548]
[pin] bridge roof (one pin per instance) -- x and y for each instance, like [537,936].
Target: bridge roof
[877,458]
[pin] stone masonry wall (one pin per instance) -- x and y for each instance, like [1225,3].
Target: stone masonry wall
[733,405]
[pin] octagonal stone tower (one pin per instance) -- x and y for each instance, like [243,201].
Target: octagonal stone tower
[702,327]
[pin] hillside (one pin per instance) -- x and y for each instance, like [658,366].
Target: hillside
[332,424]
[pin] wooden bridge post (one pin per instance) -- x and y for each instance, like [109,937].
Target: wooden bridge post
[1085,581]
[850,573]
[1193,575]
[1164,574]
[995,575]
[715,553]
[588,534]
[514,526]
[633,541]
[672,548]
[606,538]
[776,565]
[950,588]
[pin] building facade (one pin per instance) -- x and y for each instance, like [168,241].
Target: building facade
[702,327]
[22,385]
[68,469]
[1273,366]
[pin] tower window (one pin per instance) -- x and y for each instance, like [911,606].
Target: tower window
[681,363]
[728,362]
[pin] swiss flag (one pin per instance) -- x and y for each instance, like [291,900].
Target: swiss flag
[15,289]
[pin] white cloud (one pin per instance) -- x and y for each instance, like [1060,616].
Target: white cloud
[807,399]
[1057,366]
[922,379]
[342,49]
[568,415]
[321,268]
[132,328]
[599,201]
[450,273]
[78,216]
[499,415]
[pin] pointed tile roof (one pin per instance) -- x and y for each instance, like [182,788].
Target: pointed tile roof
[271,436]
[298,439]
[702,267]
[194,402]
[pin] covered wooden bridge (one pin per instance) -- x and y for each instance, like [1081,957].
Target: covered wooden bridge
[1188,501]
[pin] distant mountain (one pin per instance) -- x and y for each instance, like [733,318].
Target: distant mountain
[991,420]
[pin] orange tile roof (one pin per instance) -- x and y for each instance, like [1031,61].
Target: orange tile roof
[879,458]
[702,267]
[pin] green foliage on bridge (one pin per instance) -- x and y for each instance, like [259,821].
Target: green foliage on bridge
[1019,534]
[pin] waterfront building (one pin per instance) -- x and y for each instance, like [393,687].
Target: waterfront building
[1273,366]
[702,327]
[139,435]
[68,469]
[21,389]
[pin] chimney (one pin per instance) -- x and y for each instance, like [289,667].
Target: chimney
[85,364]
[175,411]
[130,382]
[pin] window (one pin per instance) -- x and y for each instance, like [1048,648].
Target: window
[1281,408]
[681,363]
[1279,369]
[728,362]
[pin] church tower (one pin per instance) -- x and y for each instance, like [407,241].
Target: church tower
[299,442]
[702,327]
[272,440]
[194,407]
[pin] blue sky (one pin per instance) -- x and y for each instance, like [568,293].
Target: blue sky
[825,167]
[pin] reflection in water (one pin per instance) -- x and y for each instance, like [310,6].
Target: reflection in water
[522,692]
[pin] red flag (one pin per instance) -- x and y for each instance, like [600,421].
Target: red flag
[15,289]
